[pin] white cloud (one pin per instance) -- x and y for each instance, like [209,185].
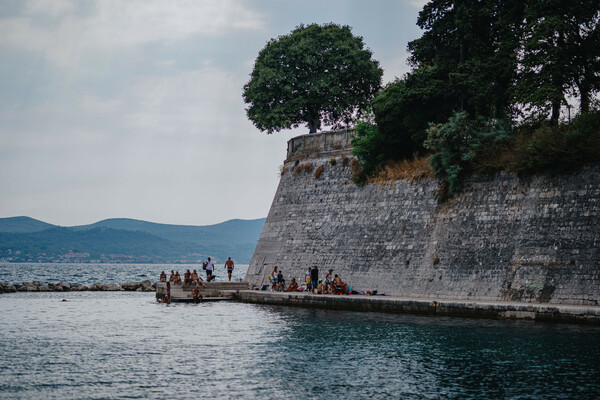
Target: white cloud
[120,23]
[395,68]
[419,3]
[52,8]
[133,108]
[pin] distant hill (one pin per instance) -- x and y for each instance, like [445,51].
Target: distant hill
[235,230]
[24,239]
[22,225]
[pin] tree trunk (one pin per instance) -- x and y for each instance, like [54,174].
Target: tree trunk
[584,96]
[313,124]
[555,112]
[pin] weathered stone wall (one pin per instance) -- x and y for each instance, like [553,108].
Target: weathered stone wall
[501,238]
[323,144]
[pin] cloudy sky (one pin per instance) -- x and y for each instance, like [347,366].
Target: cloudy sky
[133,108]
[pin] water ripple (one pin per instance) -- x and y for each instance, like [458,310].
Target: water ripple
[125,345]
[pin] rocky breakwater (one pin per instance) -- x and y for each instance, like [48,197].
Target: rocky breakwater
[35,286]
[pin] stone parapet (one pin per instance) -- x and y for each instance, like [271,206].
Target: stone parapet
[324,144]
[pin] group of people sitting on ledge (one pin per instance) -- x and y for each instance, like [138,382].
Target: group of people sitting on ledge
[331,285]
[188,277]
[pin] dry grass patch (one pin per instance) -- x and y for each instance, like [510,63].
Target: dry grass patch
[411,170]
[319,171]
[304,167]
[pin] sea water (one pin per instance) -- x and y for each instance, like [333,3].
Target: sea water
[90,273]
[104,345]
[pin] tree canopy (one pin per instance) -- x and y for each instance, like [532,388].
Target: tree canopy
[481,64]
[315,75]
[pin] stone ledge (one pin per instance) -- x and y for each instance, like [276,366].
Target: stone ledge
[473,309]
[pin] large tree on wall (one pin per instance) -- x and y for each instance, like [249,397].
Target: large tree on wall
[315,75]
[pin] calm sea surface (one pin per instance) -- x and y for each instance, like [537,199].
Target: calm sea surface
[102,345]
[88,274]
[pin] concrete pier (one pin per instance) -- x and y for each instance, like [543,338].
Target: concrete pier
[476,309]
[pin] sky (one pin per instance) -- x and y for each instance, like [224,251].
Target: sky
[134,109]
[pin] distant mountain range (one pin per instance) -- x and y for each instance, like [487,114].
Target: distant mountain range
[24,239]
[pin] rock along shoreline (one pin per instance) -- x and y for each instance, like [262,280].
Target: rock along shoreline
[35,286]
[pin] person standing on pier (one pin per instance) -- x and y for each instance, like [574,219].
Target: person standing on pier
[273,279]
[307,279]
[314,278]
[229,266]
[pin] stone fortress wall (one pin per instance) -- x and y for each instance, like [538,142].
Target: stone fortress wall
[501,239]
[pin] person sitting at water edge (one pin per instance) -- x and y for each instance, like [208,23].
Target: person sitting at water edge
[199,281]
[293,286]
[187,277]
[329,279]
[322,288]
[172,277]
[177,278]
[197,294]
[194,276]
[339,287]
[163,277]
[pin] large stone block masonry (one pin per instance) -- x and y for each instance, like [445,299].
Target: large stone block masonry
[502,238]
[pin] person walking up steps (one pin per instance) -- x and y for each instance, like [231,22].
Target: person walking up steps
[229,267]
[210,267]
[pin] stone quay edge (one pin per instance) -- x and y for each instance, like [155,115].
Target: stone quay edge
[563,313]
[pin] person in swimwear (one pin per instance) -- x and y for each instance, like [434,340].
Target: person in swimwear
[339,285]
[163,277]
[229,266]
[167,297]
[322,288]
[293,286]
[172,277]
[197,294]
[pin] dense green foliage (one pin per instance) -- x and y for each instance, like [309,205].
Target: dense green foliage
[495,60]
[455,143]
[367,145]
[559,55]
[315,75]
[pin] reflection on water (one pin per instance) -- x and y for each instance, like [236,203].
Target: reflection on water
[122,344]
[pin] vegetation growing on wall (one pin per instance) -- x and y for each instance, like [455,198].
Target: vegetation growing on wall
[486,90]
[455,143]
